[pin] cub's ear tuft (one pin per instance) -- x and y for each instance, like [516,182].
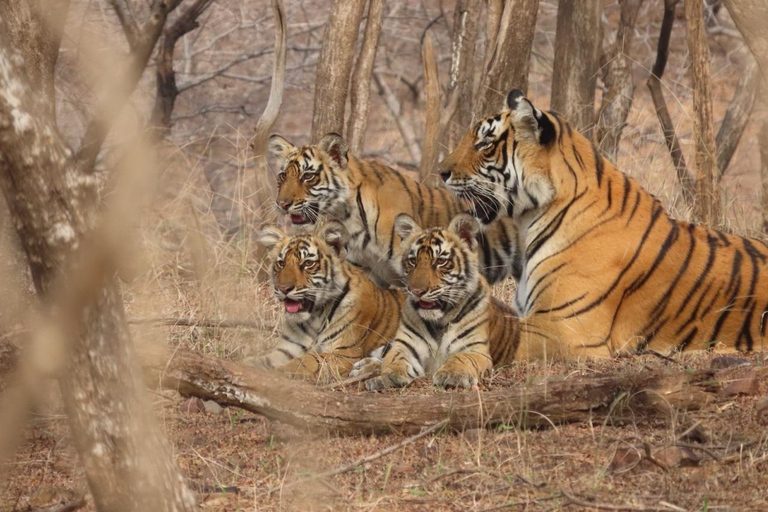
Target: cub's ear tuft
[280,148]
[529,122]
[335,147]
[335,236]
[405,226]
[467,228]
[270,235]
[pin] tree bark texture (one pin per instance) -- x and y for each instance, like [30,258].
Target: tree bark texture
[429,152]
[507,67]
[649,395]
[54,208]
[360,93]
[751,17]
[707,205]
[687,184]
[577,61]
[619,87]
[763,142]
[494,12]
[334,67]
[466,20]
[737,116]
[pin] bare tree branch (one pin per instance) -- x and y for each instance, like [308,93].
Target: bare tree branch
[750,17]
[466,19]
[737,116]
[360,97]
[707,206]
[127,20]
[665,120]
[404,127]
[429,153]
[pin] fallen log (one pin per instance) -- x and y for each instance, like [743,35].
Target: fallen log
[618,397]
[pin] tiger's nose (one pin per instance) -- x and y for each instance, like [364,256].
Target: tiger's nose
[285,289]
[418,291]
[445,174]
[284,204]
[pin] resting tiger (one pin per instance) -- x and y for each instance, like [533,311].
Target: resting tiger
[606,270]
[451,327]
[366,196]
[334,314]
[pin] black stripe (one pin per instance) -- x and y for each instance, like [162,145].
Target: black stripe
[598,164]
[363,218]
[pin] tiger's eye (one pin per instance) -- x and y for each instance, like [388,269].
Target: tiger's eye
[310,265]
[309,178]
[281,177]
[279,264]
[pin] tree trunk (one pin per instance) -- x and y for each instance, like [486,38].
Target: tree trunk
[466,19]
[737,116]
[619,87]
[334,67]
[751,17]
[507,67]
[577,61]
[429,152]
[763,141]
[54,206]
[360,98]
[651,395]
[707,204]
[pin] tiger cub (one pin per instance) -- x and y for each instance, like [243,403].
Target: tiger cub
[451,327]
[366,196]
[334,314]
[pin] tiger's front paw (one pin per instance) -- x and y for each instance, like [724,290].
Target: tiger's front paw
[387,380]
[454,379]
[365,366]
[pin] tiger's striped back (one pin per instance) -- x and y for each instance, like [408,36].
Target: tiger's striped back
[607,271]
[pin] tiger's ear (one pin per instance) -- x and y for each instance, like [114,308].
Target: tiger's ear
[335,147]
[467,228]
[270,235]
[336,236]
[279,147]
[405,226]
[530,123]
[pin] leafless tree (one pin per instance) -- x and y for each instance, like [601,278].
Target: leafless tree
[737,115]
[360,97]
[617,77]
[335,66]
[577,60]
[54,204]
[707,204]
[510,57]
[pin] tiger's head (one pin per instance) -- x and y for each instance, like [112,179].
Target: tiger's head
[312,179]
[485,168]
[439,265]
[305,267]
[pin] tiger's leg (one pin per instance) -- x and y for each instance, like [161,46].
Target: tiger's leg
[370,364]
[399,366]
[543,339]
[463,370]
[293,344]
[320,368]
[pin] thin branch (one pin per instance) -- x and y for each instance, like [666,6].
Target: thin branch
[607,506]
[220,71]
[202,322]
[667,126]
[406,129]
[127,20]
[737,116]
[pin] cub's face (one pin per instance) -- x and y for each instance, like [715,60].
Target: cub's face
[439,265]
[305,268]
[312,179]
[502,165]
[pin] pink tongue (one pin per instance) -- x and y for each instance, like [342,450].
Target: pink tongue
[292,306]
[297,219]
[426,305]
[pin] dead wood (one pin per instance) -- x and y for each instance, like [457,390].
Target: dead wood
[687,183]
[619,86]
[707,207]
[429,152]
[201,322]
[404,126]
[466,19]
[763,143]
[750,17]
[360,91]
[334,67]
[509,60]
[577,61]
[737,116]
[632,397]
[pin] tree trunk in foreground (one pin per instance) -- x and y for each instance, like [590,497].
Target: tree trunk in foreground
[707,205]
[54,208]
[577,61]
[647,395]
[466,19]
[334,67]
[510,58]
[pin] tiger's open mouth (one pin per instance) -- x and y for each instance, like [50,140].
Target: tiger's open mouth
[298,218]
[296,306]
[425,304]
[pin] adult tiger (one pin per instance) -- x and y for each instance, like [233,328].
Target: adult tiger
[451,326]
[366,196]
[334,314]
[606,270]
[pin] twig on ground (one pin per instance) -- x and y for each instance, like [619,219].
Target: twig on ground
[364,460]
[69,506]
[607,506]
[350,380]
[200,322]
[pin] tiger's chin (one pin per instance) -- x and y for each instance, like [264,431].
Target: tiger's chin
[429,310]
[484,209]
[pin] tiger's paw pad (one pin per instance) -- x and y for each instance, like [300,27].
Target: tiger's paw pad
[365,366]
[445,379]
[385,381]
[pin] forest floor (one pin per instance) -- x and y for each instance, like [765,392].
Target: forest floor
[714,458]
